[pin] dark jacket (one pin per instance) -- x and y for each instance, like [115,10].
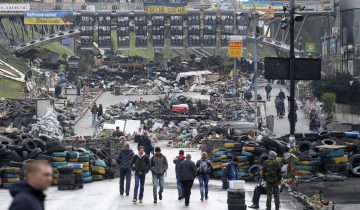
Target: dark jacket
[94,110]
[268,88]
[117,134]
[146,143]
[100,111]
[187,170]
[281,95]
[208,162]
[140,164]
[124,158]
[177,162]
[26,197]
[272,171]
[158,164]
[232,172]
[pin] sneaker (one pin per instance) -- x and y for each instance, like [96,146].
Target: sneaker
[186,204]
[121,194]
[254,206]
[140,201]
[134,200]
[127,194]
[179,198]
[206,197]
[202,199]
[155,201]
[160,196]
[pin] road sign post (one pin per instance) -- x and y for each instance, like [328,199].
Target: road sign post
[235,50]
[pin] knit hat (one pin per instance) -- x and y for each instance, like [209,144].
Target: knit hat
[157,149]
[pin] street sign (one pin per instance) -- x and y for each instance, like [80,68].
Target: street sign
[305,68]
[235,46]
[310,47]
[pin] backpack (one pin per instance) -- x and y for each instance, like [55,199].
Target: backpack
[203,168]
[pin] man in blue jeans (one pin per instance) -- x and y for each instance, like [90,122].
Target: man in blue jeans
[123,159]
[158,167]
[203,170]
[140,163]
[177,161]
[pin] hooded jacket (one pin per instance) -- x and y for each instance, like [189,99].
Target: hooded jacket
[124,158]
[158,164]
[140,164]
[177,161]
[26,197]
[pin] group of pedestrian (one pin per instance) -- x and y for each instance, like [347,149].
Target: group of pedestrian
[280,104]
[96,113]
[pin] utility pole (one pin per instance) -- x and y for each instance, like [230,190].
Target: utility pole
[255,61]
[292,67]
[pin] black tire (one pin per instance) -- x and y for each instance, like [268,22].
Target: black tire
[236,201]
[305,158]
[324,135]
[298,135]
[58,148]
[16,164]
[2,149]
[236,207]
[356,171]
[251,144]
[40,144]
[29,144]
[268,142]
[304,146]
[336,167]
[337,134]
[35,153]
[16,148]
[44,157]
[25,155]
[16,157]
[243,138]
[51,144]
[236,196]
[328,142]
[354,159]
[312,135]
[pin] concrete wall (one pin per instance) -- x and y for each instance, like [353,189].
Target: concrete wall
[347,118]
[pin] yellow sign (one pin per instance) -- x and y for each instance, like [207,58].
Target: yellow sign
[165,8]
[235,49]
[46,21]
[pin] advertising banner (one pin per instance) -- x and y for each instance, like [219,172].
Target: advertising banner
[193,22]
[14,7]
[235,46]
[123,33]
[104,29]
[176,31]
[140,29]
[262,5]
[48,18]
[227,23]
[169,8]
[158,30]
[87,24]
[209,28]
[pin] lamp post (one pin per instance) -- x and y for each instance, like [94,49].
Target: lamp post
[292,67]
[255,60]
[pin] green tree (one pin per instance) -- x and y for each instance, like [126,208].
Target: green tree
[329,100]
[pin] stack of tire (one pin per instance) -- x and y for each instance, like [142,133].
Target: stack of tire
[78,169]
[334,160]
[10,176]
[236,199]
[66,178]
[280,147]
[219,160]
[252,151]
[305,168]
[98,170]
[58,160]
[354,164]
[84,160]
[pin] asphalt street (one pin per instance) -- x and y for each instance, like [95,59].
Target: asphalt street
[104,195]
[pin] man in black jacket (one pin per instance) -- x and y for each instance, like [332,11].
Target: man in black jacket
[29,195]
[140,163]
[146,143]
[187,169]
[124,158]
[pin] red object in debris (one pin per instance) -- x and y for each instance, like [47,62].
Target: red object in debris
[181,108]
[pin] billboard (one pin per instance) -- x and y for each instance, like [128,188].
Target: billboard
[87,24]
[140,29]
[48,18]
[104,29]
[176,32]
[209,28]
[158,30]
[169,8]
[242,24]
[123,33]
[14,7]
[227,23]
[262,5]
[193,22]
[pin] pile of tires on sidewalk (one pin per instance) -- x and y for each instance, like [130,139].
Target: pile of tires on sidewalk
[16,149]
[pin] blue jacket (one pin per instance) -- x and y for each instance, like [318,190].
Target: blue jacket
[124,158]
[26,197]
[232,171]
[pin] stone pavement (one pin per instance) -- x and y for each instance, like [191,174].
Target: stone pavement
[104,195]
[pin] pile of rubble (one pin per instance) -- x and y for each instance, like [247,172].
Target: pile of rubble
[17,113]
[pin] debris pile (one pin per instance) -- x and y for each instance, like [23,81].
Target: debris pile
[17,113]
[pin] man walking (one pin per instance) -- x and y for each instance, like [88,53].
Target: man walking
[177,161]
[272,175]
[123,160]
[204,169]
[187,169]
[140,163]
[29,195]
[146,143]
[268,89]
[158,167]
[94,111]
